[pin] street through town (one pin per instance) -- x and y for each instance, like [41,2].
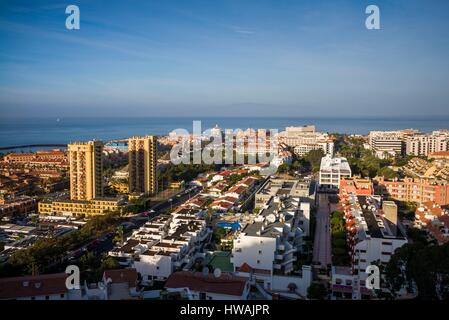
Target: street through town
[322,242]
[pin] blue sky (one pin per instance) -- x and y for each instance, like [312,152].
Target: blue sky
[224,58]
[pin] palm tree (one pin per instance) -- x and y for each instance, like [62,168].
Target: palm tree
[119,235]
[210,213]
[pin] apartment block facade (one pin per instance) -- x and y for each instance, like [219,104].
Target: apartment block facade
[305,139]
[415,190]
[142,152]
[265,250]
[332,170]
[410,142]
[86,168]
[98,206]
[387,143]
[426,144]
[373,235]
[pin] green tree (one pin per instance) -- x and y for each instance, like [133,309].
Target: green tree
[118,235]
[427,267]
[283,168]
[317,291]
[387,173]
[314,158]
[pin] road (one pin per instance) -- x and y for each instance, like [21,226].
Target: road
[106,244]
[322,242]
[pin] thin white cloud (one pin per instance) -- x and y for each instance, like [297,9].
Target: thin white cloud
[242,30]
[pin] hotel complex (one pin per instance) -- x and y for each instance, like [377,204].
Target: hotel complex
[305,139]
[410,142]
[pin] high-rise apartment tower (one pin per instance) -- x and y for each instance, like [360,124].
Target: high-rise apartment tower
[142,164]
[86,168]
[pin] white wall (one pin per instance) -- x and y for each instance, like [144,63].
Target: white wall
[148,266]
[305,208]
[250,247]
[374,249]
[280,283]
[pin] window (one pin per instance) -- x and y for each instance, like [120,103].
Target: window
[260,251]
[62,295]
[157,268]
[387,243]
[47,297]
[258,261]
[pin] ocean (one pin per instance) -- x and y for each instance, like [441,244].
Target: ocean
[26,131]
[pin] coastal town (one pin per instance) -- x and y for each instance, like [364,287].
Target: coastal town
[140,226]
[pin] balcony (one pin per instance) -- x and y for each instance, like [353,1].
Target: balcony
[291,250]
[290,260]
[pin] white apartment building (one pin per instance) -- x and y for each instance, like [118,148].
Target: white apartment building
[296,188]
[265,250]
[425,144]
[374,233]
[326,146]
[165,244]
[332,170]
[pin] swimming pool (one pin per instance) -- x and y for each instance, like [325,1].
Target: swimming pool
[229,225]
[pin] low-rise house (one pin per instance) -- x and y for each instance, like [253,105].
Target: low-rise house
[40,287]
[434,219]
[198,286]
[120,284]
[165,244]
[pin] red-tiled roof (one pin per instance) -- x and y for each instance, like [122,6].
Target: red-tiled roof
[247,181]
[196,281]
[227,199]
[32,286]
[445,220]
[245,267]
[238,189]
[222,204]
[440,153]
[122,275]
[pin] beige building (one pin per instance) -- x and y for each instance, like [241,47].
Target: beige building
[86,184]
[92,207]
[86,166]
[142,164]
